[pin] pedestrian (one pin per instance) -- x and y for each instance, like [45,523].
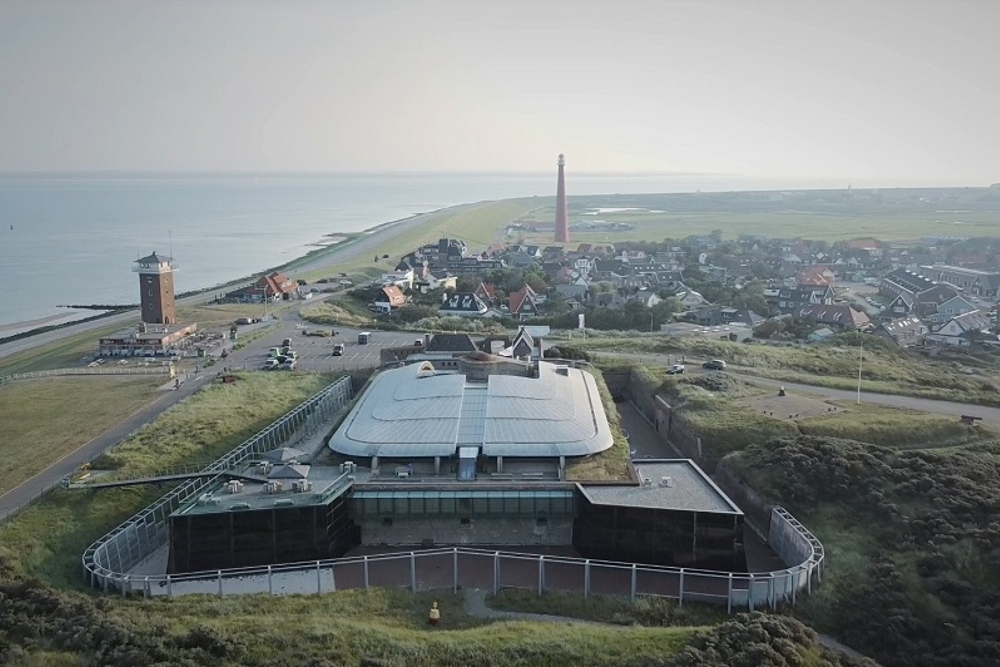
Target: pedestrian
[434,616]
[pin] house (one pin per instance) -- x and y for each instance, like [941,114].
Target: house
[462,304]
[973,281]
[815,276]
[961,330]
[573,291]
[487,293]
[271,287]
[903,331]
[647,298]
[712,316]
[389,297]
[402,278]
[838,317]
[956,305]
[793,300]
[523,303]
[690,298]
[429,283]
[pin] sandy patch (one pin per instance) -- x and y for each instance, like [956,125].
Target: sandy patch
[791,406]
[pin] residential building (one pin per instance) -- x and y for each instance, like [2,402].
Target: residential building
[961,330]
[837,317]
[903,331]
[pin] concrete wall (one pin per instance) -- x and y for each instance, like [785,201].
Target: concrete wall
[480,531]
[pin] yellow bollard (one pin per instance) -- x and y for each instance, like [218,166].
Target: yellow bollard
[434,617]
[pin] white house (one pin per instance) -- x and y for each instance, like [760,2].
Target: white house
[961,329]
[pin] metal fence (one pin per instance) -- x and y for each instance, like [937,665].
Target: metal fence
[97,370]
[105,561]
[460,567]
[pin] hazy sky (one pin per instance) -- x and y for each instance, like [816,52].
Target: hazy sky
[899,91]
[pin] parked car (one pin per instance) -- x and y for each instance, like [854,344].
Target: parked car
[286,343]
[271,364]
[288,365]
[676,369]
[715,365]
[338,350]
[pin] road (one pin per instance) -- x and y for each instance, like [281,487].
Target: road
[368,244]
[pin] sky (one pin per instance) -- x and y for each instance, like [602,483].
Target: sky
[902,91]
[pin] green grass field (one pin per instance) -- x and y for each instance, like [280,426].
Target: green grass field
[44,420]
[884,225]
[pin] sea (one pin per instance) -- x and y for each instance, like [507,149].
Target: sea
[71,239]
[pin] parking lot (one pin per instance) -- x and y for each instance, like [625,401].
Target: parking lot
[315,353]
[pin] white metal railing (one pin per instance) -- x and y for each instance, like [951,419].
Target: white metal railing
[97,370]
[462,567]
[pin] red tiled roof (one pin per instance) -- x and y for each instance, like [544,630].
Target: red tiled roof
[393,295]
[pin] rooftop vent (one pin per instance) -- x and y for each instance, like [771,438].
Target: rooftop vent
[666,481]
[647,481]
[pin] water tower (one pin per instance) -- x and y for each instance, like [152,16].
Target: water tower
[156,289]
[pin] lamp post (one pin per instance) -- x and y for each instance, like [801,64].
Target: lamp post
[651,323]
[861,358]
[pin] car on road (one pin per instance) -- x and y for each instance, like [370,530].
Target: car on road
[338,350]
[676,369]
[271,364]
[715,365]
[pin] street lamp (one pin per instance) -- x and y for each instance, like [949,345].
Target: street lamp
[861,358]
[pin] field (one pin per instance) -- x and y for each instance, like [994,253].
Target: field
[822,216]
[46,419]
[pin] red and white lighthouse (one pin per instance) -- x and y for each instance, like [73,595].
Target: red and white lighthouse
[562,215]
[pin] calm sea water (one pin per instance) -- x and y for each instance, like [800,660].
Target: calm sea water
[72,239]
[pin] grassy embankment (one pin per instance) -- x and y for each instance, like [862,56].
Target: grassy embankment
[951,376]
[45,420]
[611,464]
[476,224]
[729,413]
[46,540]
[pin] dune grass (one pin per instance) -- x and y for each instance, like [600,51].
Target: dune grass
[44,420]
[617,610]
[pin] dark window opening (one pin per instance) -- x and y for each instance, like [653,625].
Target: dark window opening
[387,522]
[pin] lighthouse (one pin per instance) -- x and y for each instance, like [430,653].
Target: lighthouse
[562,216]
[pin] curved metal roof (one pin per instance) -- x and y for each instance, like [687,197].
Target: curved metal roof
[410,413]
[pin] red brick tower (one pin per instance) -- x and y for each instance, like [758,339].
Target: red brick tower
[156,289]
[562,215]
